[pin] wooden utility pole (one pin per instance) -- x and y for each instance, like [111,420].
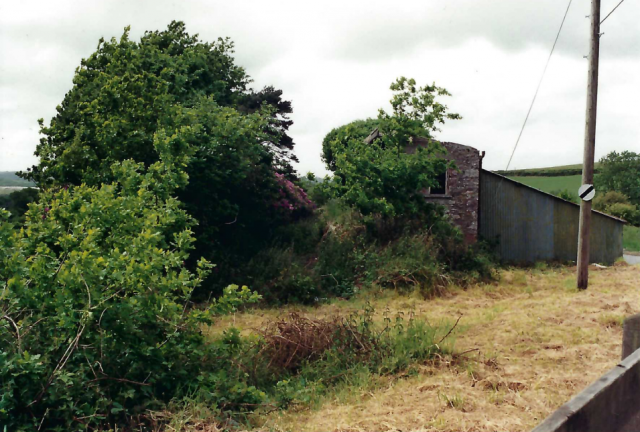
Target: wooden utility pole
[589,146]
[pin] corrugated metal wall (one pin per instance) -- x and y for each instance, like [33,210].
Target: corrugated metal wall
[533,226]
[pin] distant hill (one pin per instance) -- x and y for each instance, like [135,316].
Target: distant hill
[562,170]
[9,178]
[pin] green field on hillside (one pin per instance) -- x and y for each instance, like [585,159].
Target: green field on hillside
[549,184]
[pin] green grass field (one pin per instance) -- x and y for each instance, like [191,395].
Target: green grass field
[549,184]
[631,238]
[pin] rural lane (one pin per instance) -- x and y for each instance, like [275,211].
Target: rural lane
[632,259]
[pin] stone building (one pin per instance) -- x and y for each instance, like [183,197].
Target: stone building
[459,188]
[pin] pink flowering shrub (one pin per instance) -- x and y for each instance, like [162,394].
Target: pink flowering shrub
[292,199]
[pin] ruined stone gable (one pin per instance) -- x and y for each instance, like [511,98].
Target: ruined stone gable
[460,193]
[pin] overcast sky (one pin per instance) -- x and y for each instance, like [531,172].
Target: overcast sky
[335,60]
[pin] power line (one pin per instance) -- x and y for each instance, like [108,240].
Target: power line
[611,11]
[540,82]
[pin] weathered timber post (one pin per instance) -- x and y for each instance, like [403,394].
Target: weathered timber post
[589,147]
[630,335]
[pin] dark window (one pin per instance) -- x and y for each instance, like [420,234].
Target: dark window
[441,188]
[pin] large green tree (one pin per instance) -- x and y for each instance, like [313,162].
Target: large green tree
[127,90]
[173,83]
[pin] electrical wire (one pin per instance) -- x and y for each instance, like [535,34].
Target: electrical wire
[539,83]
[611,11]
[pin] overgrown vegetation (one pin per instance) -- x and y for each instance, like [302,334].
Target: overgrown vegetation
[297,361]
[380,178]
[309,355]
[339,251]
[172,83]
[160,161]
[96,327]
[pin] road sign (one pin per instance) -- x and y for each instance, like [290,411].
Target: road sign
[586,192]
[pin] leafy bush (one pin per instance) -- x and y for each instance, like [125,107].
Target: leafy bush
[603,201]
[565,195]
[618,205]
[280,275]
[337,265]
[95,324]
[628,212]
[302,236]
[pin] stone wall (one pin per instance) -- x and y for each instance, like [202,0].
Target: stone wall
[463,187]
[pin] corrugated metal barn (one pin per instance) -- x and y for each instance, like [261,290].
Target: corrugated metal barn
[531,225]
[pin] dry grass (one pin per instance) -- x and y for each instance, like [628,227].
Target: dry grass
[536,342]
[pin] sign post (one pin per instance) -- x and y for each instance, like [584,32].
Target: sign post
[586,192]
